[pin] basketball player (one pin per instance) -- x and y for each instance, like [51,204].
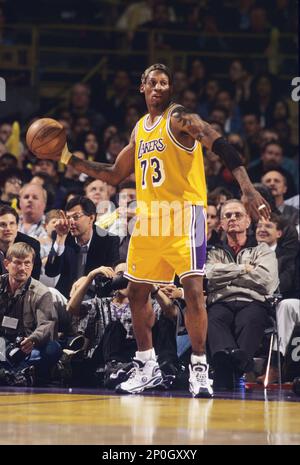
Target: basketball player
[165,151]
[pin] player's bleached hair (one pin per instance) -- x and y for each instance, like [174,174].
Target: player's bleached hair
[157,67]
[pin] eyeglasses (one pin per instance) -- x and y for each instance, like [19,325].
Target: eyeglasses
[18,263]
[75,217]
[229,215]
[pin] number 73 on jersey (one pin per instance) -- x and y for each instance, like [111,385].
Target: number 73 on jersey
[157,171]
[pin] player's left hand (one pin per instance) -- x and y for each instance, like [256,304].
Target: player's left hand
[256,205]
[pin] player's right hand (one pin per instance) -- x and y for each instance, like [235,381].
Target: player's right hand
[65,155]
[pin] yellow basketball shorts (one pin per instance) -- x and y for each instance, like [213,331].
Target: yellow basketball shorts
[157,253]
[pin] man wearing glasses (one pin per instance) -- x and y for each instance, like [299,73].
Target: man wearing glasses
[240,275]
[79,246]
[28,322]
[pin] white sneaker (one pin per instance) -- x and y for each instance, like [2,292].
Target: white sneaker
[142,376]
[200,384]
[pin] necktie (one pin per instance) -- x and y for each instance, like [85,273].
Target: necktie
[82,255]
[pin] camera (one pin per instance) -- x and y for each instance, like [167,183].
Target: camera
[14,353]
[105,286]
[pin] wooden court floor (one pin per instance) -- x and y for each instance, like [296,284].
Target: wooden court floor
[95,417]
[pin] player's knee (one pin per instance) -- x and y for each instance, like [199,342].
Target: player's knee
[194,297]
[137,295]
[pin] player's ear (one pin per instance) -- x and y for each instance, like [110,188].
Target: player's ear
[142,88]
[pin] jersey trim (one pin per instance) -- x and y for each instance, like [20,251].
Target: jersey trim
[197,228]
[146,281]
[192,273]
[149,129]
[135,131]
[172,137]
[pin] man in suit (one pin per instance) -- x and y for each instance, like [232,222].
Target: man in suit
[9,235]
[79,246]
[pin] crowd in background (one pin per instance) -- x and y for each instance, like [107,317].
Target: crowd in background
[250,107]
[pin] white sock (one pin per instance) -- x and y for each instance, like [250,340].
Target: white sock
[198,359]
[145,355]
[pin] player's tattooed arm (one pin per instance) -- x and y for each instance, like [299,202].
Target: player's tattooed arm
[192,124]
[200,130]
[112,174]
[91,168]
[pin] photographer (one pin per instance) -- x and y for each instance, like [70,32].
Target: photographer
[106,322]
[27,321]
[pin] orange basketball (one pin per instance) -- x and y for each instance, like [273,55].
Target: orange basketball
[46,138]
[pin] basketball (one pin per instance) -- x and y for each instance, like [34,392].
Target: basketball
[46,138]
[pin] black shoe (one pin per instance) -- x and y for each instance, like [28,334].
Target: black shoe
[169,372]
[7,377]
[76,343]
[116,373]
[240,360]
[224,377]
[25,377]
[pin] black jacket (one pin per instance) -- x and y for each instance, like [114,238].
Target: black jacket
[103,251]
[20,237]
[288,269]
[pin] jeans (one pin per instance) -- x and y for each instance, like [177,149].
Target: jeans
[44,358]
[183,344]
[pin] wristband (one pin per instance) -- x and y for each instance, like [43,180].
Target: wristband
[65,156]
[227,153]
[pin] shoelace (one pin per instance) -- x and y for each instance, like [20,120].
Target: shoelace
[134,370]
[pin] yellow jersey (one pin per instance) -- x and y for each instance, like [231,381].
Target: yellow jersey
[165,170]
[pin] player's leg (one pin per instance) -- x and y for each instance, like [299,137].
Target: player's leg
[196,324]
[142,314]
[145,267]
[145,373]
[195,315]
[188,255]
